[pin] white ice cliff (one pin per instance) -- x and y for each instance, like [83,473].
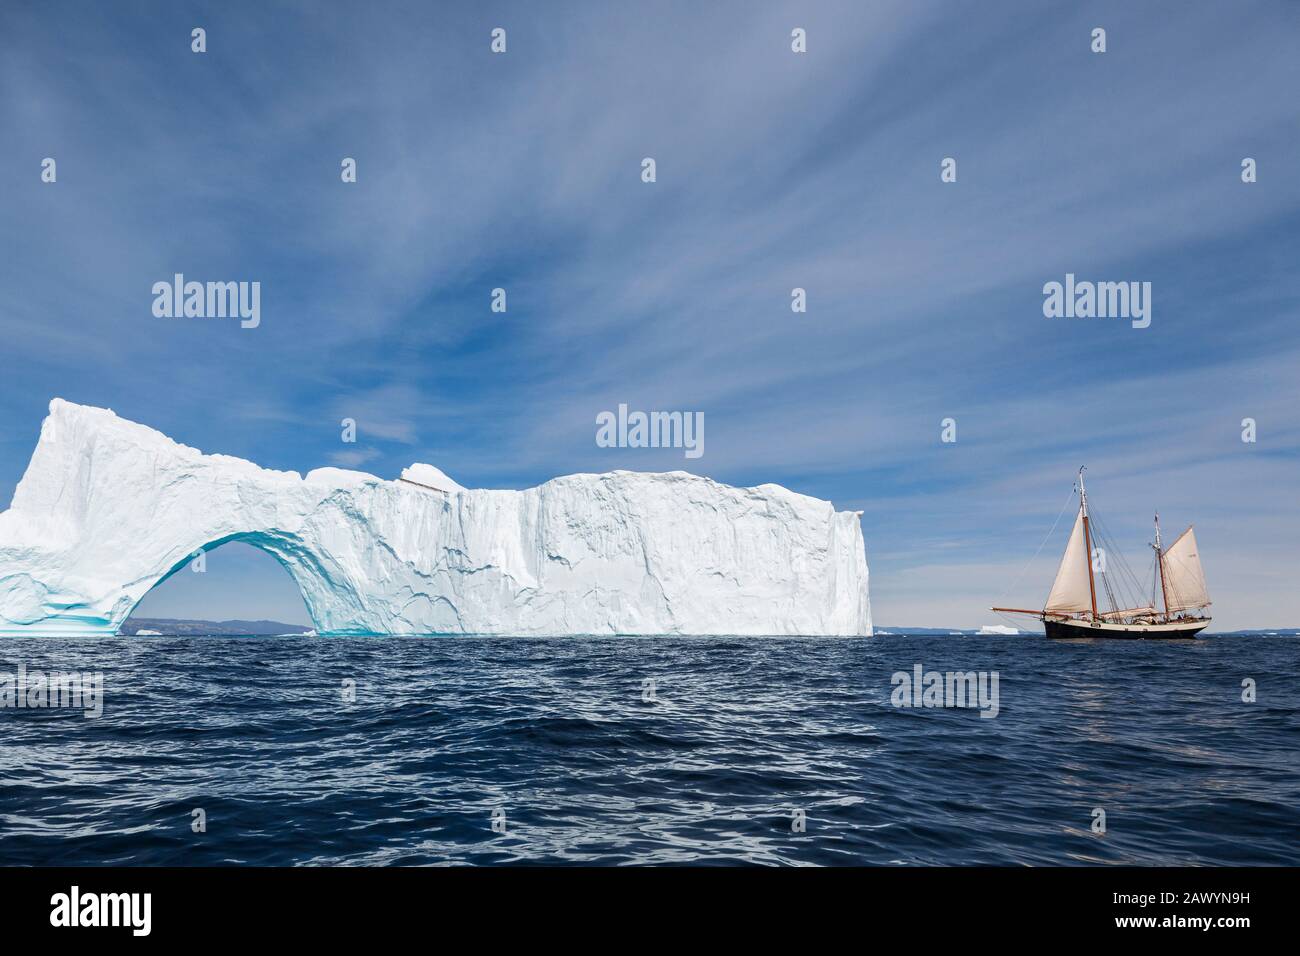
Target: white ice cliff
[108,508]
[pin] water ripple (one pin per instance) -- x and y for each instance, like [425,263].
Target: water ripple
[625,751]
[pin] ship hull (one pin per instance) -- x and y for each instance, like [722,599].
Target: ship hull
[1176,630]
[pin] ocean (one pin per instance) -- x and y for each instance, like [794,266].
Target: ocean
[287,751]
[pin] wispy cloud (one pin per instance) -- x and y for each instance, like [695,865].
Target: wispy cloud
[351,458]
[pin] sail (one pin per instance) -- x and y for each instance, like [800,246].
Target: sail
[1184,577]
[1127,612]
[1070,591]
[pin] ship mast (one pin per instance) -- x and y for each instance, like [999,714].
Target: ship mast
[1160,563]
[1087,538]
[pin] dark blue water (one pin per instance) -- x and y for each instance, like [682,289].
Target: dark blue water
[558,735]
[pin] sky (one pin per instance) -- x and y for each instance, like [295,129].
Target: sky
[774,170]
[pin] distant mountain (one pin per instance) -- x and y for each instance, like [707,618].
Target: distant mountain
[177,628]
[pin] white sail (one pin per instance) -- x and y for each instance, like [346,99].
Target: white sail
[1070,591]
[1127,612]
[1184,577]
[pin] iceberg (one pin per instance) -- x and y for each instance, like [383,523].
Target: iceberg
[108,509]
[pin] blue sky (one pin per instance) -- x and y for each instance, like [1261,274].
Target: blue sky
[775,170]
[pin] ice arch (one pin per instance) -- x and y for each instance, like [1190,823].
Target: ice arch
[108,508]
[271,559]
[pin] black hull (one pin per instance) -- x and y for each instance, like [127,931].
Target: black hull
[1075,630]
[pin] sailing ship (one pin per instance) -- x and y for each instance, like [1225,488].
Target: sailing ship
[1072,610]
